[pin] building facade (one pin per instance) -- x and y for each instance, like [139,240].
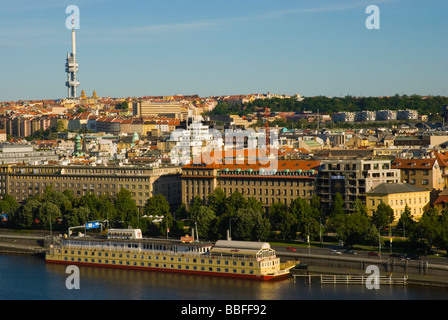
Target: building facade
[23,181]
[290,180]
[352,178]
[398,196]
[16,153]
[424,173]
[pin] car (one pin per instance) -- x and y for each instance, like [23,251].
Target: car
[301,266]
[373,254]
[291,249]
[335,252]
[397,255]
[412,256]
[349,252]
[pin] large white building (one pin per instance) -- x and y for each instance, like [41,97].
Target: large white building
[193,141]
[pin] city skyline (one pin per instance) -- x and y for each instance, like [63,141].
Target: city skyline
[140,48]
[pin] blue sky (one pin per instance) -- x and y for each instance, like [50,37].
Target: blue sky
[210,47]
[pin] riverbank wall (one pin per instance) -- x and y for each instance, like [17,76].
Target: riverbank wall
[418,272]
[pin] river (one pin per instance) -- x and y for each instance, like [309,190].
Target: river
[30,278]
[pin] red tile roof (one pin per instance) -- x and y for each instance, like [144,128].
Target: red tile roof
[251,162]
[413,163]
[442,158]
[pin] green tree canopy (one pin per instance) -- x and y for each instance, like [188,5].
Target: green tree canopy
[337,207]
[126,208]
[283,221]
[406,221]
[427,229]
[156,205]
[383,216]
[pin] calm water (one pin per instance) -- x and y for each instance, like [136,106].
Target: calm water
[30,278]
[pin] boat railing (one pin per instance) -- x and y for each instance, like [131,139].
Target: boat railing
[202,255]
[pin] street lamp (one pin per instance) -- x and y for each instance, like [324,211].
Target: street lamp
[308,238]
[230,228]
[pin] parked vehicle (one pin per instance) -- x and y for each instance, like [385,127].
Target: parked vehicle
[301,266]
[397,255]
[412,256]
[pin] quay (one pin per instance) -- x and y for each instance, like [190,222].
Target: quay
[34,243]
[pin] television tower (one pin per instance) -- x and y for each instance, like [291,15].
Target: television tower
[71,68]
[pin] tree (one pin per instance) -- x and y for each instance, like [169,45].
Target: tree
[48,213]
[244,224]
[126,208]
[156,205]
[307,223]
[57,198]
[262,228]
[193,210]
[426,230]
[383,216]
[217,201]
[181,212]
[204,218]
[337,206]
[283,221]
[26,215]
[235,202]
[8,204]
[90,201]
[354,228]
[406,220]
[106,209]
[167,223]
[442,238]
[77,217]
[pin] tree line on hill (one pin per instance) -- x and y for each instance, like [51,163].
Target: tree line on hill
[322,104]
[244,218]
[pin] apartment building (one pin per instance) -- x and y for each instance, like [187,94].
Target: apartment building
[424,173]
[21,153]
[398,196]
[23,181]
[154,108]
[289,180]
[352,178]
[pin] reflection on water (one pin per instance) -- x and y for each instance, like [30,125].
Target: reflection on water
[30,278]
[134,284]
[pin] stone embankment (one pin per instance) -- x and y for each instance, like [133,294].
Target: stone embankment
[12,242]
[418,272]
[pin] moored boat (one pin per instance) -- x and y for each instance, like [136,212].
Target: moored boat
[126,248]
